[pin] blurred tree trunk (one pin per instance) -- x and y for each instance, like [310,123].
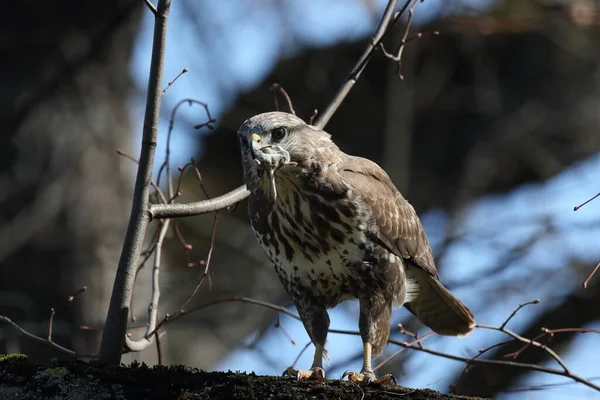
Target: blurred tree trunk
[63,196]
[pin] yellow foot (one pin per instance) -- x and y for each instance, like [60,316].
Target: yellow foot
[369,378]
[313,373]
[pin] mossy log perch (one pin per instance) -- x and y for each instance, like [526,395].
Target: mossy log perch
[23,379]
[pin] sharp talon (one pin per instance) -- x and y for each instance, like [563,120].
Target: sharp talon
[312,374]
[368,378]
[289,372]
[317,373]
[387,379]
[353,376]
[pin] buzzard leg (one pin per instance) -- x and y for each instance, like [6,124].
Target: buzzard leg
[374,326]
[316,322]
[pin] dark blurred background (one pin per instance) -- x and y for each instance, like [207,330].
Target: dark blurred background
[492,135]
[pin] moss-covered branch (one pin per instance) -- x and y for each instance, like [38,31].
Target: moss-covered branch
[21,379]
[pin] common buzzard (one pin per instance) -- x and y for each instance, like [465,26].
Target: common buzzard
[336,228]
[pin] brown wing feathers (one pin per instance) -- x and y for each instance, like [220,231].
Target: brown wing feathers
[400,231]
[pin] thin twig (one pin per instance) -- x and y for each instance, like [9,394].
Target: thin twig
[405,39]
[199,177]
[530,342]
[166,163]
[177,192]
[516,310]
[300,354]
[183,71]
[476,356]
[151,7]
[51,343]
[186,246]
[285,332]
[157,336]
[362,62]
[515,354]
[276,87]
[169,318]
[397,353]
[77,293]
[152,183]
[206,263]
[579,330]
[313,116]
[596,268]
[585,202]
[530,367]
[147,339]
[50,322]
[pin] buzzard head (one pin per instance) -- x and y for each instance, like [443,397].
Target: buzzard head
[277,144]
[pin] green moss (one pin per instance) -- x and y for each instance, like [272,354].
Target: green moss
[13,357]
[57,372]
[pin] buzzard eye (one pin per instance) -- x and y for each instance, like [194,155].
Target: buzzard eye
[278,134]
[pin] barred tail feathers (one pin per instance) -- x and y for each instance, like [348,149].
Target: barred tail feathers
[438,308]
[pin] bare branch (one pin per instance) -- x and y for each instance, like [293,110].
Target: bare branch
[285,332]
[198,207]
[313,116]
[199,177]
[50,322]
[515,364]
[397,353]
[206,263]
[151,6]
[384,25]
[152,183]
[47,340]
[146,341]
[530,342]
[585,283]
[158,337]
[77,293]
[585,202]
[562,330]
[405,39]
[183,71]
[300,353]
[476,356]
[276,87]
[520,306]
[113,337]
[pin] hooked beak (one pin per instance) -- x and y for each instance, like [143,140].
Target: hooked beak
[255,142]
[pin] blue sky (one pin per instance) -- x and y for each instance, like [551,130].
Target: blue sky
[248,43]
